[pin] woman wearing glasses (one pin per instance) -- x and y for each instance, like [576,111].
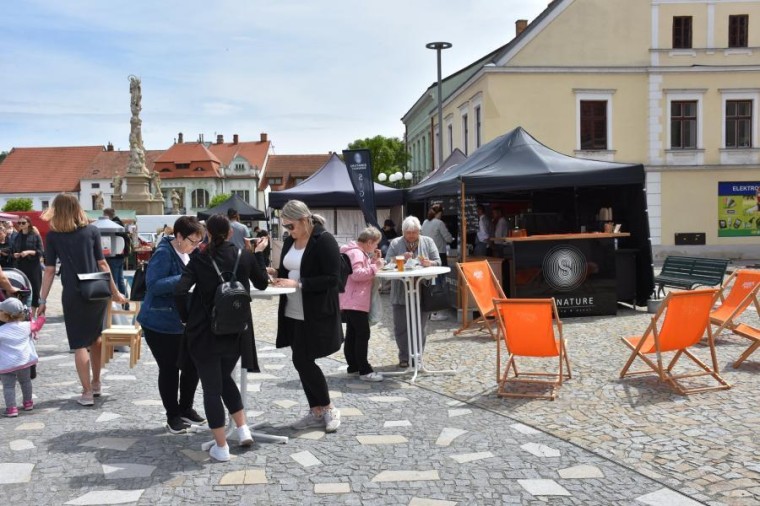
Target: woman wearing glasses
[309,319]
[27,252]
[162,326]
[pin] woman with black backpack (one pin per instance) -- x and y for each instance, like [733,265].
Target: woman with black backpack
[215,355]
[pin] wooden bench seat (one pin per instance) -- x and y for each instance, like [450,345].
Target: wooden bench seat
[690,272]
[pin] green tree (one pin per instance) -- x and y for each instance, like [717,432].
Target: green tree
[218,199]
[20,204]
[3,154]
[388,154]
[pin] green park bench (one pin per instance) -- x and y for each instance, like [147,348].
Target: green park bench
[690,272]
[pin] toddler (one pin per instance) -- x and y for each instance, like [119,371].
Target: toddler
[17,353]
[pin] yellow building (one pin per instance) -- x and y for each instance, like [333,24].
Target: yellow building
[673,84]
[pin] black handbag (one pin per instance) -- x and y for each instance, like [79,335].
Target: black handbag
[433,297]
[139,287]
[94,286]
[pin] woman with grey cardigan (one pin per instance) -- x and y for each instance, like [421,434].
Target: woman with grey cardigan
[411,245]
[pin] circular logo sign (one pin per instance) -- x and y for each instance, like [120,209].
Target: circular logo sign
[564,268]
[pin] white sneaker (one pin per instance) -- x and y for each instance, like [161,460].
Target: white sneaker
[373,376]
[308,421]
[332,419]
[220,453]
[244,436]
[437,317]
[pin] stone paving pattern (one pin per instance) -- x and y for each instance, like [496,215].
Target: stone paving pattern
[443,440]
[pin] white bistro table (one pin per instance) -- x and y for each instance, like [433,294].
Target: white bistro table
[411,279]
[271,291]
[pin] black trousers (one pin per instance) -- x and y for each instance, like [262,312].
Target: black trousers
[165,349]
[219,389]
[312,378]
[356,346]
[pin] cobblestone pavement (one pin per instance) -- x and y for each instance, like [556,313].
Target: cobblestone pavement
[439,441]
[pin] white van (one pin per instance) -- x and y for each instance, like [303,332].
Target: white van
[150,225]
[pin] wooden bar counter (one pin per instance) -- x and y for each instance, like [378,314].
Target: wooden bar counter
[578,270]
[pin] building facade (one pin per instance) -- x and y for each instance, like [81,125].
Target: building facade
[673,84]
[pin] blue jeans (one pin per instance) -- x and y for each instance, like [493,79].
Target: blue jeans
[117,271]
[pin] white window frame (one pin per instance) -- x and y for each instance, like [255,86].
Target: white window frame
[194,198]
[740,156]
[694,156]
[476,104]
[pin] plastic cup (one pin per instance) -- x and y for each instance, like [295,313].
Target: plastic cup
[400,263]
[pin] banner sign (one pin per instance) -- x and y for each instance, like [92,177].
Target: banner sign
[359,167]
[739,209]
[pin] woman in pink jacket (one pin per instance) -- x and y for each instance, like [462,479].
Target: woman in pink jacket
[366,260]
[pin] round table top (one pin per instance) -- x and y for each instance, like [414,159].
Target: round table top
[413,273]
[271,291]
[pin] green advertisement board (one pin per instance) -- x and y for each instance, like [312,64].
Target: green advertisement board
[739,209]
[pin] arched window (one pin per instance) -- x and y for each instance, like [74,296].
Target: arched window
[200,199]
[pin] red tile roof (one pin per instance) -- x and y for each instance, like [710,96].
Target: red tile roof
[53,169]
[195,155]
[109,163]
[289,167]
[255,152]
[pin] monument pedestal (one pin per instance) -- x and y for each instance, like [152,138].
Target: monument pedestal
[138,196]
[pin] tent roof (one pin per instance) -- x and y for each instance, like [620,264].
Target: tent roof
[455,158]
[247,212]
[331,186]
[516,161]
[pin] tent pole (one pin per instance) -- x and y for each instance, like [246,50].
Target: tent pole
[463,292]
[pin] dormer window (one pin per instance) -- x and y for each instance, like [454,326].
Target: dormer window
[275,180]
[182,165]
[239,167]
[199,169]
[165,170]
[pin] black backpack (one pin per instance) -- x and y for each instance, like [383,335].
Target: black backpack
[231,303]
[345,271]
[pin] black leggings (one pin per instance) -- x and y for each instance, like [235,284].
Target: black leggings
[356,346]
[165,349]
[215,372]
[312,378]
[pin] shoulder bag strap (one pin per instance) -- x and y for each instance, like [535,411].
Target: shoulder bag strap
[216,268]
[237,262]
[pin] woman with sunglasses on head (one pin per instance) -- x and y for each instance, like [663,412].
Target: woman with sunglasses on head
[162,326]
[309,318]
[215,356]
[27,253]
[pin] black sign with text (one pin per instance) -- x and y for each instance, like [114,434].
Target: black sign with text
[359,167]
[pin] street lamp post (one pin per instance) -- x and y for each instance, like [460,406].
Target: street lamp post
[438,46]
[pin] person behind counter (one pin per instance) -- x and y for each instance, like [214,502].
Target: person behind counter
[485,232]
[500,231]
[411,245]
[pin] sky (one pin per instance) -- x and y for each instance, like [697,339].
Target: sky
[313,75]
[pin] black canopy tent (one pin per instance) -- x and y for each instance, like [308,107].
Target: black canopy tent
[516,164]
[331,187]
[247,212]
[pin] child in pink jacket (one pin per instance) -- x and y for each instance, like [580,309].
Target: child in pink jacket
[17,353]
[355,301]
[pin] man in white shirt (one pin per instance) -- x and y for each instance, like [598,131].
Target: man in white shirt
[500,231]
[484,233]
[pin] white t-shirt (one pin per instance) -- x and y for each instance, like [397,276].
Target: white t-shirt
[292,262]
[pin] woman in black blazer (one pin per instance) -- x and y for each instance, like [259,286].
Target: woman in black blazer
[215,356]
[309,319]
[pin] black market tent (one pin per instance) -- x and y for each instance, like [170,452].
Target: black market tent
[516,164]
[247,212]
[331,187]
[455,158]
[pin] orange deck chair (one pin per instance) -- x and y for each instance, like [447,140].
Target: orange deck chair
[686,319]
[746,284]
[484,288]
[528,327]
[751,333]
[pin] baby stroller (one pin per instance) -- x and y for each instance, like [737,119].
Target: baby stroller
[19,280]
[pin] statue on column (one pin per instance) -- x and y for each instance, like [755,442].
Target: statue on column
[99,202]
[116,187]
[156,178]
[136,148]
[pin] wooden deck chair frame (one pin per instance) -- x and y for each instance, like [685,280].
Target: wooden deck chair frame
[662,342]
[484,302]
[751,333]
[739,297]
[541,345]
[122,335]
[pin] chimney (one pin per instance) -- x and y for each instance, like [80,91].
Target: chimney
[180,141]
[220,139]
[264,137]
[235,139]
[520,26]
[109,147]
